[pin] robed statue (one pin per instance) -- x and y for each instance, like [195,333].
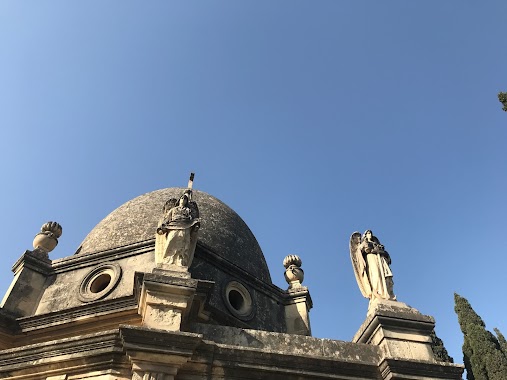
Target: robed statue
[177,231]
[371,264]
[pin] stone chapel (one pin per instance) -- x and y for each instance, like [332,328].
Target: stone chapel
[173,285]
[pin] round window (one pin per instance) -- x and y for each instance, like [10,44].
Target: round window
[238,300]
[99,282]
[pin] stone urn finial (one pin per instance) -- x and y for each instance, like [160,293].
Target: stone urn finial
[294,275]
[47,239]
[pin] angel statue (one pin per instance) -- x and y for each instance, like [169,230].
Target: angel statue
[177,231]
[371,266]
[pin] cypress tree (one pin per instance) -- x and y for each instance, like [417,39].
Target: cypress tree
[501,340]
[438,348]
[502,97]
[482,355]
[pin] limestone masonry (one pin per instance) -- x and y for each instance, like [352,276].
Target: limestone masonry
[173,285]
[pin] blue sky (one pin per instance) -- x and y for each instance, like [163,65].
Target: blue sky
[311,119]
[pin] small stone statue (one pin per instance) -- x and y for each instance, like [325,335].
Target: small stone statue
[177,231]
[47,239]
[294,275]
[371,266]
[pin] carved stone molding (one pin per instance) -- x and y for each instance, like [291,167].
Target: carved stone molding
[157,354]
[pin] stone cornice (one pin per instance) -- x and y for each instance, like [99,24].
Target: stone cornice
[400,368]
[288,343]
[291,295]
[8,322]
[89,259]
[34,262]
[158,341]
[79,314]
[146,347]
[282,356]
[82,260]
[272,365]
[32,359]
[228,267]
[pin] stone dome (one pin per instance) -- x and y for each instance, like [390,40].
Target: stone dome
[222,230]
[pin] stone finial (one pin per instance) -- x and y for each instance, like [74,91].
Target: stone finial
[47,239]
[294,275]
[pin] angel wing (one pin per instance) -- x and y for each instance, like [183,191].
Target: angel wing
[173,202]
[193,209]
[359,265]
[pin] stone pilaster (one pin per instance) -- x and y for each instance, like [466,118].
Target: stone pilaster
[297,308]
[30,274]
[165,300]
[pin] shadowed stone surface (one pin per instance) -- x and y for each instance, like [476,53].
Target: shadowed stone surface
[222,230]
[289,343]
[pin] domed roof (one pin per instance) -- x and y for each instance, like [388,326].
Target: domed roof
[222,230]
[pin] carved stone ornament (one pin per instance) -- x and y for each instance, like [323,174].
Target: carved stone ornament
[294,275]
[371,262]
[176,235]
[47,239]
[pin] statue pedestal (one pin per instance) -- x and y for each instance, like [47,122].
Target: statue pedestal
[404,337]
[166,299]
[400,330]
[297,307]
[171,270]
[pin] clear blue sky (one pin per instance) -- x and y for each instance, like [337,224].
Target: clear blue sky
[312,119]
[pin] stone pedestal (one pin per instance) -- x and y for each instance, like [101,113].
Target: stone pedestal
[166,299]
[400,331]
[30,274]
[171,270]
[297,308]
[404,337]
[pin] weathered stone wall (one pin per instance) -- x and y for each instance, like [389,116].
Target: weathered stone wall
[64,289]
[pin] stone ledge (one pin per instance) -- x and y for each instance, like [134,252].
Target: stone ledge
[159,341]
[83,260]
[36,358]
[239,362]
[288,343]
[418,369]
[79,313]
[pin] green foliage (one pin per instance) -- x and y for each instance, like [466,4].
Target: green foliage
[482,355]
[501,340]
[502,96]
[438,348]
